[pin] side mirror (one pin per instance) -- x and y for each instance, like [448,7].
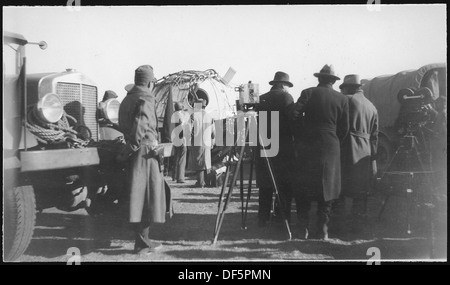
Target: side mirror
[43,45]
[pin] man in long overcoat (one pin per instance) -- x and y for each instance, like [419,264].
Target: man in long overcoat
[202,141]
[276,100]
[360,147]
[325,119]
[138,121]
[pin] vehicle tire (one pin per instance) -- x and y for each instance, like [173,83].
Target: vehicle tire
[19,220]
[385,152]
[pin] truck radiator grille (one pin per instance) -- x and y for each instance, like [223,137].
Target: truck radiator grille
[80,102]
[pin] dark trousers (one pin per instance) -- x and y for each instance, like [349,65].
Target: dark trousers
[359,205]
[265,201]
[303,203]
[180,163]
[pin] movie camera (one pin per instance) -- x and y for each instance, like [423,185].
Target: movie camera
[248,96]
[416,107]
[247,104]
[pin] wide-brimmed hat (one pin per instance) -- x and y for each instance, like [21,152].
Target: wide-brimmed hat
[281,77]
[327,71]
[351,80]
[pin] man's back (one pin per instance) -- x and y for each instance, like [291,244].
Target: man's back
[325,106]
[361,113]
[129,107]
[277,100]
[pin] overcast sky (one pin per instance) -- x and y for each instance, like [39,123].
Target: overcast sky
[108,43]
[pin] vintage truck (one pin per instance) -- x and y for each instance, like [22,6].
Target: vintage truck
[53,156]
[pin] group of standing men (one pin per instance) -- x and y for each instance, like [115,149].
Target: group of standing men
[328,142]
[322,130]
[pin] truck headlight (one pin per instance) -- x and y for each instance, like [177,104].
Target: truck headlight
[110,110]
[50,108]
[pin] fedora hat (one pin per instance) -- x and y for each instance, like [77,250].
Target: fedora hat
[327,71]
[281,77]
[351,80]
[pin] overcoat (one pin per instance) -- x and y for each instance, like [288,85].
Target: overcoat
[325,127]
[203,134]
[149,197]
[276,100]
[360,146]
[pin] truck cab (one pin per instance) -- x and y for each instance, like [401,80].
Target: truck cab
[53,156]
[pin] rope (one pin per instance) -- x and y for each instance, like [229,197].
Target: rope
[189,77]
[49,134]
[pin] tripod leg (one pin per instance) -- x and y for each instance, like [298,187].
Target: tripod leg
[221,215]
[275,187]
[383,206]
[233,180]
[222,209]
[241,188]
[409,192]
[222,192]
[249,188]
[390,162]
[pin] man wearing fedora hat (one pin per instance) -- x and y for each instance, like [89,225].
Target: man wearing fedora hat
[276,100]
[324,115]
[359,149]
[149,199]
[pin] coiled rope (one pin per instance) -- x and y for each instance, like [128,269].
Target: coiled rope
[49,134]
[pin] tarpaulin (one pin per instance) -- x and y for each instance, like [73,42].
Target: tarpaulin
[382,90]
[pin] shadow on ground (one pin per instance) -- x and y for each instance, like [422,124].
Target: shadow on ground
[189,234]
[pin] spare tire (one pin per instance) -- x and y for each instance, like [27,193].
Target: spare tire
[19,220]
[385,152]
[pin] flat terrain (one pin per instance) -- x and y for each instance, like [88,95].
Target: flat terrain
[188,235]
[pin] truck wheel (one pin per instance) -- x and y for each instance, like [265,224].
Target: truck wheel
[19,220]
[385,151]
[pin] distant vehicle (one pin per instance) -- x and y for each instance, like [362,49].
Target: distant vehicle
[52,153]
[386,93]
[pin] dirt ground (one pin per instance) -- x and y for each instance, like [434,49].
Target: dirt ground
[189,234]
